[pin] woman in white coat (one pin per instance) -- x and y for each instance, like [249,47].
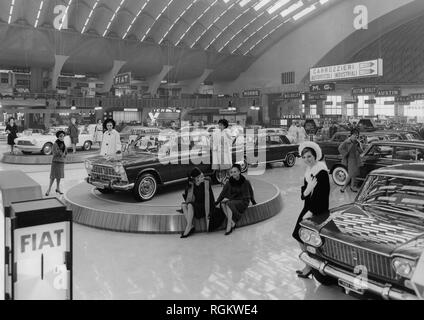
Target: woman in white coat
[222,159]
[111,143]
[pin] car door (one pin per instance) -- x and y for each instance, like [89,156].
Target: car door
[377,156]
[273,148]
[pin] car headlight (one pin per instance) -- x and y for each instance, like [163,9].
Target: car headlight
[88,165]
[404,267]
[34,142]
[310,237]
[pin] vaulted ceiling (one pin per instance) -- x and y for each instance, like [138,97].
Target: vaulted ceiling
[193,35]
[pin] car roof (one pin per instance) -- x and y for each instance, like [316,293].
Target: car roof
[410,170]
[409,143]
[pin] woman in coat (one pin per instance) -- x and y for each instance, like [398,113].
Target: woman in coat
[12,133]
[315,191]
[74,134]
[222,144]
[351,151]
[57,171]
[111,143]
[199,200]
[235,197]
[98,133]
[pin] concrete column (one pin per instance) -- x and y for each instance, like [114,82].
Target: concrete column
[111,74]
[58,65]
[154,82]
[36,80]
[191,86]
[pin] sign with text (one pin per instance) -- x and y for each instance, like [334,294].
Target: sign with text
[370,101]
[251,93]
[388,92]
[315,96]
[42,250]
[364,69]
[292,95]
[123,79]
[322,87]
[364,91]
[405,100]
[416,96]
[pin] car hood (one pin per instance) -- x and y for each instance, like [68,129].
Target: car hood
[375,229]
[127,160]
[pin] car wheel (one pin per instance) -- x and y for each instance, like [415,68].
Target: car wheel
[145,187]
[340,175]
[27,152]
[290,160]
[324,280]
[47,149]
[87,146]
[105,191]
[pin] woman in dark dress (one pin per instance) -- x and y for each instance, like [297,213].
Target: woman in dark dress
[235,197]
[199,200]
[315,191]
[12,133]
[58,163]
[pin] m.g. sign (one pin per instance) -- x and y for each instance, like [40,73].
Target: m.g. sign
[41,250]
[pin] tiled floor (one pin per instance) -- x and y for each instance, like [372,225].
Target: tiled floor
[255,262]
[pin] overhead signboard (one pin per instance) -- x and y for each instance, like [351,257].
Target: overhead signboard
[315,96]
[370,101]
[123,79]
[364,91]
[389,103]
[328,103]
[322,87]
[251,93]
[364,69]
[388,92]
[416,96]
[292,95]
[403,100]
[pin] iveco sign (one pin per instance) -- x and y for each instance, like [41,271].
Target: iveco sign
[364,69]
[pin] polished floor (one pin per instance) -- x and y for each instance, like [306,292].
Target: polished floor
[255,262]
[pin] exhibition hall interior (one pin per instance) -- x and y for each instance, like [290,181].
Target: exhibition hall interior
[211,150]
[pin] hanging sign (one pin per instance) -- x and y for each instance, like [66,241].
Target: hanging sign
[123,79]
[405,100]
[372,68]
[416,96]
[364,91]
[292,95]
[322,87]
[388,92]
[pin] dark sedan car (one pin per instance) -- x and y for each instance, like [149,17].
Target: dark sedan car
[379,154]
[144,172]
[375,244]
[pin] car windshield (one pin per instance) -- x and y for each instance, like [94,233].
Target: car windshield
[398,194]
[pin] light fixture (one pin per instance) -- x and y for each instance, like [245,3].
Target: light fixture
[12,6]
[135,18]
[291,9]
[244,2]
[89,16]
[277,6]
[156,20]
[65,14]
[113,17]
[304,12]
[39,13]
[73,108]
[261,4]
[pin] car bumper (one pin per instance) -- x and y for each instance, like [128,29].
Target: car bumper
[28,148]
[383,290]
[110,185]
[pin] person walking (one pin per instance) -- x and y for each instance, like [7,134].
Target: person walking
[57,171]
[12,134]
[235,197]
[351,151]
[98,133]
[73,134]
[111,143]
[315,191]
[199,200]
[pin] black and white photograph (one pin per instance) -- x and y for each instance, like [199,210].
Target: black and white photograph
[212,156]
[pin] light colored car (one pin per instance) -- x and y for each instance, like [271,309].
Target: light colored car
[44,143]
[3,134]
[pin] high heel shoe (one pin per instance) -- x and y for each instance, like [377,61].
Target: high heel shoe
[302,275]
[231,230]
[47,194]
[183,236]
[353,190]
[59,192]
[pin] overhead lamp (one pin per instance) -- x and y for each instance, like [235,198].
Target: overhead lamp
[244,2]
[291,9]
[73,108]
[261,4]
[277,6]
[304,12]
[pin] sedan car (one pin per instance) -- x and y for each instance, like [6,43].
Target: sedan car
[44,142]
[378,155]
[374,244]
[3,134]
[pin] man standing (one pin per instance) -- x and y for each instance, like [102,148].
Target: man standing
[73,134]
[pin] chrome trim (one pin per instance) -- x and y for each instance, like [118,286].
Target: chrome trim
[356,246]
[174,181]
[110,185]
[385,291]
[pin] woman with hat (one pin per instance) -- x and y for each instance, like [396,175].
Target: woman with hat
[111,142]
[315,191]
[199,200]
[351,151]
[57,171]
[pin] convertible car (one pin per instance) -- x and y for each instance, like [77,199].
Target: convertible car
[375,244]
[43,143]
[378,155]
[143,172]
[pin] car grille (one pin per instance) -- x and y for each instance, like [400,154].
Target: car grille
[104,173]
[24,143]
[351,256]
